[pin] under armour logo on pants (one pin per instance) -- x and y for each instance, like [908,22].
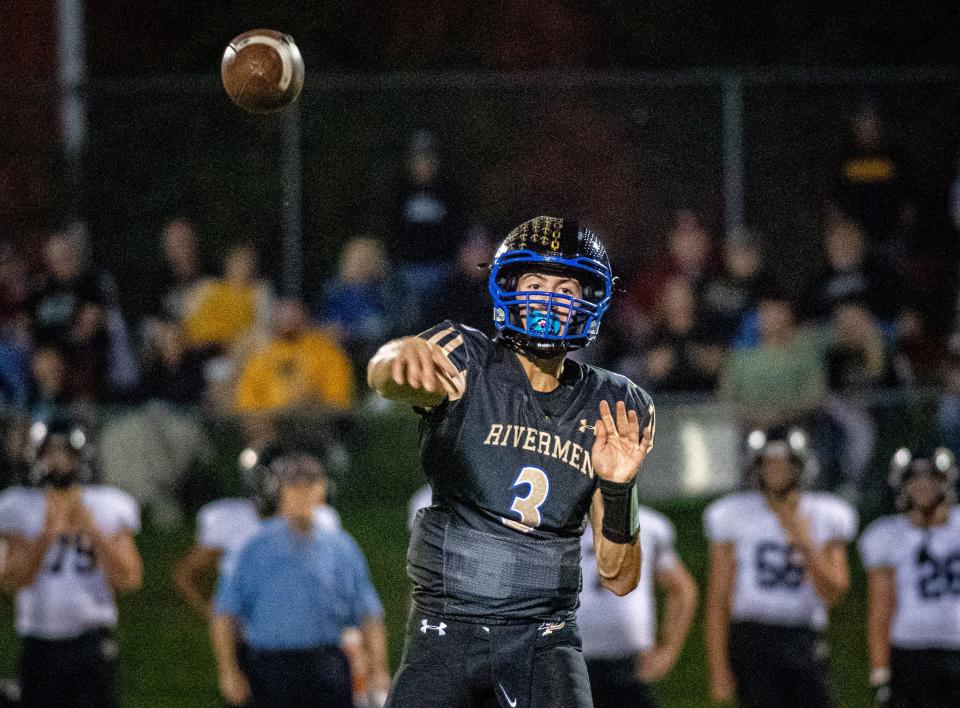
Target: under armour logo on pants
[425,625]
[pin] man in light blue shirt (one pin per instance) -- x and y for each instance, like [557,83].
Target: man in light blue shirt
[293,590]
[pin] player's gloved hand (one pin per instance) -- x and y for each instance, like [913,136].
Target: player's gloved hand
[880,686]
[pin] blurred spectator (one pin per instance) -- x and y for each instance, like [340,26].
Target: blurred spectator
[75,307]
[689,256]
[227,309]
[732,294]
[50,395]
[857,360]
[872,181]
[88,351]
[181,271]
[66,289]
[857,364]
[14,283]
[850,271]
[427,221]
[171,371]
[680,357]
[14,366]
[358,301]
[780,381]
[463,296]
[297,367]
[917,353]
[948,409]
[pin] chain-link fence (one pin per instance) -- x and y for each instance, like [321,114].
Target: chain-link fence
[623,151]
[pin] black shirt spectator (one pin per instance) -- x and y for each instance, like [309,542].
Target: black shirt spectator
[850,272]
[427,215]
[180,271]
[463,296]
[734,292]
[171,371]
[65,289]
[680,357]
[872,184]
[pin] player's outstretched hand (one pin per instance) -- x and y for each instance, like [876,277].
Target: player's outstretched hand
[619,449]
[422,365]
[415,371]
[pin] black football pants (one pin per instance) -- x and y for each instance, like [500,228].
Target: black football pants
[450,664]
[614,684]
[778,667]
[69,673]
[924,678]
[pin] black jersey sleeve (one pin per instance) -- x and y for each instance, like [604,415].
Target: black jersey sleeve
[465,347]
[450,338]
[640,400]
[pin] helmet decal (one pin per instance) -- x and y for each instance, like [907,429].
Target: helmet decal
[542,323]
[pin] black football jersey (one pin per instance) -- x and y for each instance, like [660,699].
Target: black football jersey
[512,484]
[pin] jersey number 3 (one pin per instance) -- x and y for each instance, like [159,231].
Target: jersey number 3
[528,507]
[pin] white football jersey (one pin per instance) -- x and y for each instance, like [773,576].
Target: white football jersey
[612,626]
[771,584]
[70,594]
[227,525]
[926,563]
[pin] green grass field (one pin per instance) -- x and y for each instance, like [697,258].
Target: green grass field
[166,660]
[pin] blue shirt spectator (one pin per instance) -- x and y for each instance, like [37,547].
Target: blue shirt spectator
[14,372]
[293,591]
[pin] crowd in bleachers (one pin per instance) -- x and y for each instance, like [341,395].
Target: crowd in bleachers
[713,314]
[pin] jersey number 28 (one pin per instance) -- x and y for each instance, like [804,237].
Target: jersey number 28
[528,506]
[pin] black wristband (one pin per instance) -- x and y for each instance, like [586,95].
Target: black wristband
[620,523]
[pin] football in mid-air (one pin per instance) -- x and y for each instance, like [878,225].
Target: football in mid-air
[262,70]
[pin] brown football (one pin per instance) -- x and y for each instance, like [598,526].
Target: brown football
[262,70]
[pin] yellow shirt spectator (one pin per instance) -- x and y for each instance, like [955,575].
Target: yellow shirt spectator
[308,368]
[224,313]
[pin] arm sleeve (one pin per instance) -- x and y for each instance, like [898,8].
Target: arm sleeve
[844,522]
[640,400]
[129,514]
[227,598]
[874,546]
[454,341]
[716,523]
[365,602]
[207,528]
[665,555]
[9,516]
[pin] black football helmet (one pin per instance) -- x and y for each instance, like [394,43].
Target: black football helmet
[265,470]
[940,463]
[541,324]
[70,437]
[780,441]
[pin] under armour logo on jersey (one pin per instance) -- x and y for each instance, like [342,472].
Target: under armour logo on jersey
[550,627]
[585,426]
[425,625]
